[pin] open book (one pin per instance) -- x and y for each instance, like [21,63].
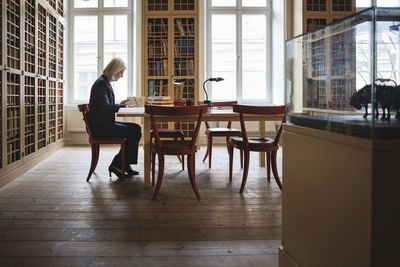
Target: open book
[135,101]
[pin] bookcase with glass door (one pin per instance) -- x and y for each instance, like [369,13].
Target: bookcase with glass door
[170,58]
[31,79]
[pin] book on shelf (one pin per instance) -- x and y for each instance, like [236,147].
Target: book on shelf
[180,27]
[190,67]
[164,27]
[158,68]
[151,88]
[165,67]
[164,47]
[184,47]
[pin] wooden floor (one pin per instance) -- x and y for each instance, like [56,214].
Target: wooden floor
[50,216]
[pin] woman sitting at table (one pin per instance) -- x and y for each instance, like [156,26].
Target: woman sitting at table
[102,109]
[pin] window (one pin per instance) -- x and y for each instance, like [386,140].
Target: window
[380,3]
[238,46]
[100,31]
[388,3]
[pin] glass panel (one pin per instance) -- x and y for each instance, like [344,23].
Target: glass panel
[223,2]
[342,5]
[388,3]
[184,5]
[223,56]
[86,3]
[157,5]
[184,47]
[254,3]
[115,3]
[316,5]
[254,56]
[116,45]
[339,78]
[85,55]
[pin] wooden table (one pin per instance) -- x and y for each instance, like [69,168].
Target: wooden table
[214,114]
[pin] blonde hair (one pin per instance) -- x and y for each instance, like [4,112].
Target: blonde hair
[115,65]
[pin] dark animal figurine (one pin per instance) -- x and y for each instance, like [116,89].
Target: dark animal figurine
[396,101]
[387,96]
[362,98]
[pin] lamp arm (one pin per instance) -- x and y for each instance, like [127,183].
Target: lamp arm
[204,88]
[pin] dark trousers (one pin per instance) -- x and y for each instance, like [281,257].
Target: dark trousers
[131,131]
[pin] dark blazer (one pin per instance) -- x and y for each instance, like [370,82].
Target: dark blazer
[102,107]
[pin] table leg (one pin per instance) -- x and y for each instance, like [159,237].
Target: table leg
[261,132]
[146,149]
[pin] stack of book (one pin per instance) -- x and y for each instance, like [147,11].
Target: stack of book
[164,101]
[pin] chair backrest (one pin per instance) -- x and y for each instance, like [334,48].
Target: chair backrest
[155,111]
[220,104]
[260,110]
[84,108]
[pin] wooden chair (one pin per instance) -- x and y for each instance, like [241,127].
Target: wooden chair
[268,145]
[175,133]
[227,132]
[96,142]
[175,147]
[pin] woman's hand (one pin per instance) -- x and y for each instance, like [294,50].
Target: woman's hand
[124,102]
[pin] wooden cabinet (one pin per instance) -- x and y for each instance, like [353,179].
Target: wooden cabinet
[340,197]
[31,79]
[170,41]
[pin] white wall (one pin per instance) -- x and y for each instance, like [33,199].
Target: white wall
[278,51]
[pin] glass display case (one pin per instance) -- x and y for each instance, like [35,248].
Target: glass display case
[344,77]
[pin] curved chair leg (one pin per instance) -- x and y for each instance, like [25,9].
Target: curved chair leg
[151,163]
[93,162]
[153,169]
[230,162]
[245,170]
[97,155]
[275,169]
[191,171]
[268,166]
[160,175]
[241,158]
[208,147]
[182,158]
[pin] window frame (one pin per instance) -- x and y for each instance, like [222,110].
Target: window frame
[239,11]
[100,12]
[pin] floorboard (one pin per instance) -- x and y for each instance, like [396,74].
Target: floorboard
[51,216]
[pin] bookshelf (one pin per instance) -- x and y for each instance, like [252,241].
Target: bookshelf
[29,103]
[170,41]
[31,80]
[41,123]
[317,13]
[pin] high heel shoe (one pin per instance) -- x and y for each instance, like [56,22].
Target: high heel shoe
[116,171]
[131,172]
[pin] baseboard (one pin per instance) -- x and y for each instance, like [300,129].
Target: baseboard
[10,175]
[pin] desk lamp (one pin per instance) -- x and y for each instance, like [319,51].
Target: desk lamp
[218,79]
[180,81]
